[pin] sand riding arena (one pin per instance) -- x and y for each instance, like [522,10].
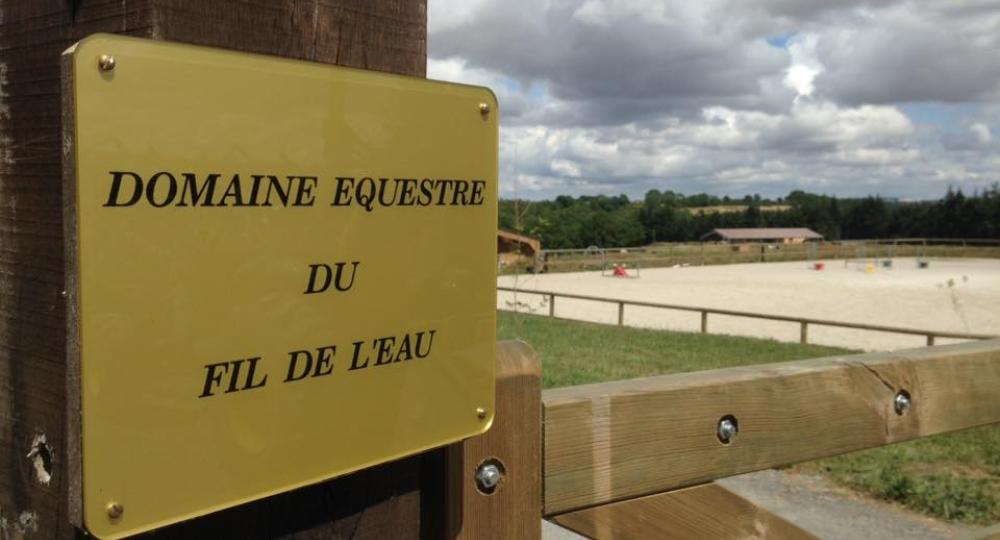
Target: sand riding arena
[956,295]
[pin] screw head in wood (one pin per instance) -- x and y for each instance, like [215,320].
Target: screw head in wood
[115,511]
[481,413]
[488,477]
[902,402]
[106,62]
[484,109]
[727,429]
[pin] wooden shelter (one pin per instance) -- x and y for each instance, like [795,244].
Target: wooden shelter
[514,248]
[763,234]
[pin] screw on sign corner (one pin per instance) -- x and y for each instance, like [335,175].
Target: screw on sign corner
[106,62]
[115,511]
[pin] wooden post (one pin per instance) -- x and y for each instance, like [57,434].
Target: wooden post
[930,340]
[513,510]
[621,313]
[552,305]
[383,35]
[803,332]
[704,322]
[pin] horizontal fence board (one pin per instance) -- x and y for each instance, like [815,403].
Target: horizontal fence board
[618,440]
[705,511]
[684,254]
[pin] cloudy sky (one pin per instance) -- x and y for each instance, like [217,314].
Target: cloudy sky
[898,98]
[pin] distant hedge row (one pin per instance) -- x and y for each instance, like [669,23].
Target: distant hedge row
[569,222]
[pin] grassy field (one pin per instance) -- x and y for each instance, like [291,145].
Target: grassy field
[734,209]
[578,353]
[954,476]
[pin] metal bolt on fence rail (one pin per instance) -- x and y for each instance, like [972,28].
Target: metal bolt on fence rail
[488,477]
[727,429]
[902,402]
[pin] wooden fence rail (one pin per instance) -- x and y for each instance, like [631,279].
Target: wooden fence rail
[992,242]
[620,440]
[938,241]
[673,254]
[803,322]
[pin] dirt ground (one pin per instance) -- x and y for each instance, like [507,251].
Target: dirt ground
[961,295]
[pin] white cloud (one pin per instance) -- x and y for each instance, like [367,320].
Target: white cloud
[617,96]
[566,168]
[804,66]
[444,14]
[982,133]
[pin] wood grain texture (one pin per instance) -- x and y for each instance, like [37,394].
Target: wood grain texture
[379,35]
[514,510]
[613,441]
[32,309]
[705,511]
[384,35]
[373,504]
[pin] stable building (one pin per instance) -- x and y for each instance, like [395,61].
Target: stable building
[763,235]
[516,249]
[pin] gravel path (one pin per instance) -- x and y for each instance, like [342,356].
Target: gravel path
[832,513]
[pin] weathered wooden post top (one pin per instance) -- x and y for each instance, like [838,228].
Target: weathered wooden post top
[228,275]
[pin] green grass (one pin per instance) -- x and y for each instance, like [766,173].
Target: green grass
[578,353]
[954,476]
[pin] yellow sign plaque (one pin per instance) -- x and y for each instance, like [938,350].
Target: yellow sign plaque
[278,272]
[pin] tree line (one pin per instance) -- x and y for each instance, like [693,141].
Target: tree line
[666,216]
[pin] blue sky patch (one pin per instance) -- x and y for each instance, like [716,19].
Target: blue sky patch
[939,114]
[780,40]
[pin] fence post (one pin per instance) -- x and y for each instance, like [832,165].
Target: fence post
[704,322]
[513,509]
[552,305]
[621,313]
[804,333]
[930,340]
